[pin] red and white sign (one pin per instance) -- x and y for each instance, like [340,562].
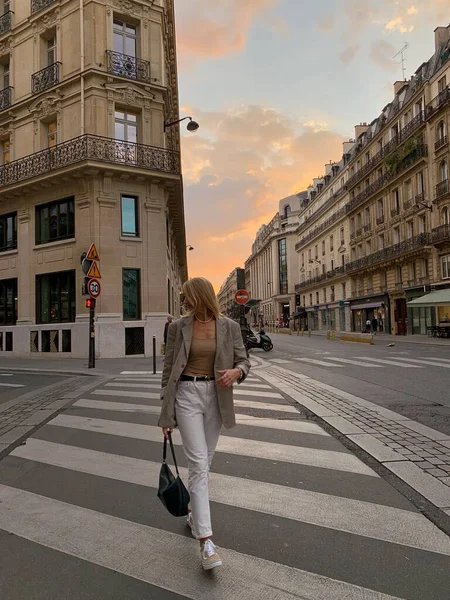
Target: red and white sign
[94,288]
[242,297]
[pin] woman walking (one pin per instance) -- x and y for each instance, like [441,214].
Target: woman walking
[205,356]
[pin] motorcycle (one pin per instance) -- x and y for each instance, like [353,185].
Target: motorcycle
[264,341]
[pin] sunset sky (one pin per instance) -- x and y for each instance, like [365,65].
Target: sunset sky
[276,86]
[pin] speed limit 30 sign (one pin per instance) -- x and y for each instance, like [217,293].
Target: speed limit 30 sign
[94,288]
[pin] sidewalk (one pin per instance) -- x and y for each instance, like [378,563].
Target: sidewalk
[79,366]
[381,338]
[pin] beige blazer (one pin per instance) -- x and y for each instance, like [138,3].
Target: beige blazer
[230,353]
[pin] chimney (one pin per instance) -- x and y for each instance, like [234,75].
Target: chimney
[360,129]
[441,36]
[347,146]
[398,85]
[328,169]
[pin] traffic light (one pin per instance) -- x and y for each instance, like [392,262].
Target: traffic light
[90,303]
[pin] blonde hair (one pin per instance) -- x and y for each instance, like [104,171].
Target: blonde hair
[201,294]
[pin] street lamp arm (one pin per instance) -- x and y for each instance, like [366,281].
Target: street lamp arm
[192,125]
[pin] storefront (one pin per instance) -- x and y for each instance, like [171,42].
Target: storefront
[419,317]
[375,310]
[313,318]
[430,309]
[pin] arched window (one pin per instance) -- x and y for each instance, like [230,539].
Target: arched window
[445,216]
[444,170]
[287,211]
[441,131]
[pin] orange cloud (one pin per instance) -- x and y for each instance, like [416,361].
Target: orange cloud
[236,168]
[214,28]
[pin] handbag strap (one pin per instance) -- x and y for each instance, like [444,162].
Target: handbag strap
[172,450]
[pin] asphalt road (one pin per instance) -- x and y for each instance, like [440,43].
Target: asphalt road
[16,383]
[294,512]
[411,379]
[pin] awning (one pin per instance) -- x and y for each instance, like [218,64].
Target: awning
[368,305]
[439,298]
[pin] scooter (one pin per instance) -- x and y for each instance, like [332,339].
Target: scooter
[264,340]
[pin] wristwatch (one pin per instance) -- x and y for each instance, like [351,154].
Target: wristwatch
[242,373]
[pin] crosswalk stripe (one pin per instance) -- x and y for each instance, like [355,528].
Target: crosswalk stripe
[423,362]
[238,391]
[125,394]
[282,424]
[325,459]
[354,362]
[154,380]
[12,385]
[287,408]
[140,373]
[446,360]
[152,386]
[314,361]
[93,537]
[259,386]
[388,362]
[6,374]
[394,525]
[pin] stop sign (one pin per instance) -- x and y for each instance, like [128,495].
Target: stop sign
[242,297]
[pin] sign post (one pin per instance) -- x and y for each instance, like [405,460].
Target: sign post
[93,288]
[242,297]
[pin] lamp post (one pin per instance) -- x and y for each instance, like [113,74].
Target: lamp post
[191,126]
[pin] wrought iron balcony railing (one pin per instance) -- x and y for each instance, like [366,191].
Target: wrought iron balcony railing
[5,98]
[6,22]
[130,67]
[395,212]
[380,220]
[319,278]
[414,243]
[312,234]
[45,78]
[441,233]
[37,5]
[438,102]
[90,148]
[407,204]
[440,143]
[442,188]
[419,198]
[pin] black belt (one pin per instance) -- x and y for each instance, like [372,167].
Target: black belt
[191,378]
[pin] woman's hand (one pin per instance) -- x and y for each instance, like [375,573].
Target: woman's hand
[166,431]
[228,377]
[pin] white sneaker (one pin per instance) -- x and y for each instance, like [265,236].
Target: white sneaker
[190,524]
[210,558]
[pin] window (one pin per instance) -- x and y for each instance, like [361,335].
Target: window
[317,298]
[441,130]
[282,263]
[442,84]
[344,291]
[325,295]
[5,151]
[367,216]
[332,294]
[287,211]
[352,225]
[125,38]
[396,201]
[310,300]
[408,190]
[55,221]
[399,275]
[6,75]
[131,294]
[410,229]
[445,216]
[368,247]
[8,232]
[129,212]
[52,135]
[343,260]
[445,268]
[51,51]
[380,208]
[444,170]
[383,279]
[396,235]
[55,297]
[331,243]
[342,236]
[323,248]
[309,255]
[125,126]
[303,259]
[316,252]
[359,220]
[381,241]
[8,302]
[367,157]
[412,271]
[422,224]
[424,267]
[419,183]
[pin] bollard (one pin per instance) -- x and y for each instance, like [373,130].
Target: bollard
[303,332]
[328,334]
[154,355]
[309,333]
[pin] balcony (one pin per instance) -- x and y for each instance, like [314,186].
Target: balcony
[367,227]
[407,204]
[130,67]
[441,234]
[438,102]
[440,143]
[46,78]
[332,219]
[419,198]
[369,191]
[380,220]
[37,5]
[90,148]
[442,188]
[319,278]
[395,212]
[5,98]
[396,141]
[413,244]
[6,22]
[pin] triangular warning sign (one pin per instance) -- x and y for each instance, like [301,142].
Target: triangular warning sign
[94,271]
[92,253]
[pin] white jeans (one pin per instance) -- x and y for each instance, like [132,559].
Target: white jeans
[199,422]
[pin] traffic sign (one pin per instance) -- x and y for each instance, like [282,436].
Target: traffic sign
[94,271]
[92,253]
[242,297]
[94,288]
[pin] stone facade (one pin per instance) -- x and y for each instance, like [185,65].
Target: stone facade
[234,282]
[85,159]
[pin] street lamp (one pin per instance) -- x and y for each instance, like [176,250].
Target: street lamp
[191,126]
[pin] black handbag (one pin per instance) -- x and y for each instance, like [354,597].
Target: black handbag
[171,490]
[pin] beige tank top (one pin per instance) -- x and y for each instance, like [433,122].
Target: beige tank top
[201,358]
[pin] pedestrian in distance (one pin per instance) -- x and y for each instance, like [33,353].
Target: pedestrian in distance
[205,357]
[374,324]
[368,326]
[166,328]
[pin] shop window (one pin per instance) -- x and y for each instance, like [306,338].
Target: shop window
[55,297]
[8,232]
[55,221]
[129,215]
[8,301]
[131,294]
